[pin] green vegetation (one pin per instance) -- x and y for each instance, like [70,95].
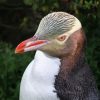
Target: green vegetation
[19,20]
[11,69]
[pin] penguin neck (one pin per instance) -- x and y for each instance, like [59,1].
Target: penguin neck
[60,66]
[45,66]
[71,64]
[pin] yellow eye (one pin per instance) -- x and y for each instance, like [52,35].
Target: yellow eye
[62,38]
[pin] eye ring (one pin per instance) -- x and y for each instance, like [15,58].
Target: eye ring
[62,38]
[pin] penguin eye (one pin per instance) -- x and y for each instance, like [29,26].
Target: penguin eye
[61,38]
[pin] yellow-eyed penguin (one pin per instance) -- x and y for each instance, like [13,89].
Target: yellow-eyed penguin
[59,70]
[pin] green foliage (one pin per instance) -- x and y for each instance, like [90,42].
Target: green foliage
[93,56]
[43,5]
[28,2]
[11,68]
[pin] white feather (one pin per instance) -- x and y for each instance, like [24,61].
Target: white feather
[39,77]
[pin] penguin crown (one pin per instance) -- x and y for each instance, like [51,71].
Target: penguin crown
[58,23]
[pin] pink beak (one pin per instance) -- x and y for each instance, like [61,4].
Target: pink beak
[29,45]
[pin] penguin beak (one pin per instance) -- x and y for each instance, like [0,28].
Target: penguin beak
[30,44]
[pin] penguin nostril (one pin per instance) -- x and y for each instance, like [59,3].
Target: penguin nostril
[35,38]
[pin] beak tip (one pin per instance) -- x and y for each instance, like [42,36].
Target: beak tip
[19,51]
[16,52]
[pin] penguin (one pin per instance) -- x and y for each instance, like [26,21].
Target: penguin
[59,70]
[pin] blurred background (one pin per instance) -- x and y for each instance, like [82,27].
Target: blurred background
[19,20]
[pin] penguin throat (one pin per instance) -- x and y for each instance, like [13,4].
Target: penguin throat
[39,78]
[45,66]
